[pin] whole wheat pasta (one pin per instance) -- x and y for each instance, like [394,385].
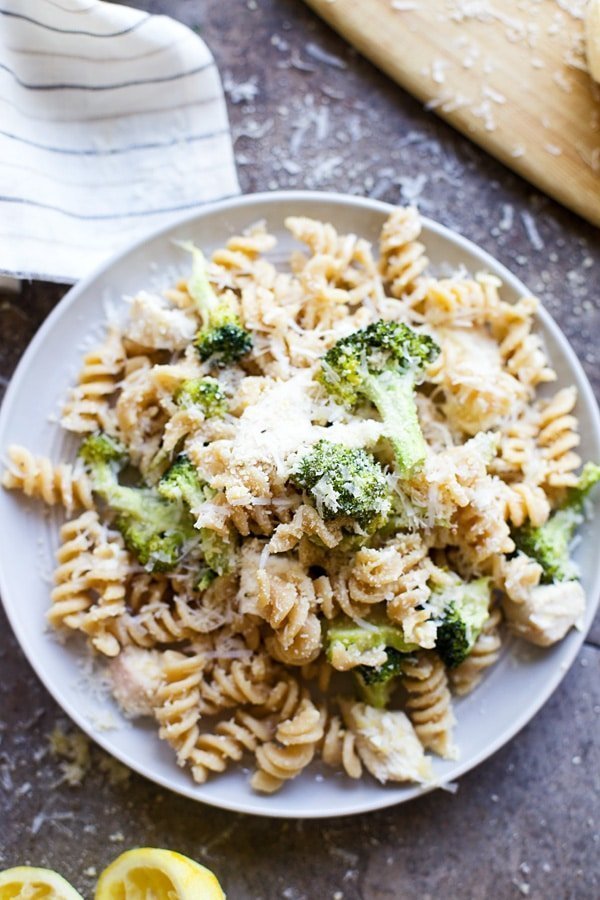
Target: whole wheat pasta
[429,704]
[402,256]
[295,743]
[338,748]
[38,477]
[278,545]
[88,406]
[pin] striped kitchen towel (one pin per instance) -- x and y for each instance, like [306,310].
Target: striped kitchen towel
[112,123]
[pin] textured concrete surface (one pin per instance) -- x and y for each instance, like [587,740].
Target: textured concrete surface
[525,823]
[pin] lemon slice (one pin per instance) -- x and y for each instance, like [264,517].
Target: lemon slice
[151,874]
[29,883]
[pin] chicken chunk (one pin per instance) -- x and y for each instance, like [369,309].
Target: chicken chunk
[547,612]
[387,744]
[154,323]
[135,675]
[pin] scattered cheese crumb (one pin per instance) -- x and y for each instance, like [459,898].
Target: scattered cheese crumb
[313,50]
[531,230]
[74,750]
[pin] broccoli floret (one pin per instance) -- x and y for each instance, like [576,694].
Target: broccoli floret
[158,532]
[357,640]
[223,335]
[549,544]
[382,363]
[203,393]
[344,482]
[102,450]
[218,553]
[577,495]
[376,683]
[181,483]
[464,610]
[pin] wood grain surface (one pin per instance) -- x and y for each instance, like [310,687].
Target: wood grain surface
[510,74]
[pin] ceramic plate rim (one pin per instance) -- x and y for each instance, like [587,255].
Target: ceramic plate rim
[380,798]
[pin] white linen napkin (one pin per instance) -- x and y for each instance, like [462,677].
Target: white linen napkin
[112,123]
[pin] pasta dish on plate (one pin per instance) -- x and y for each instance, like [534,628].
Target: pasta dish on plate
[309,503]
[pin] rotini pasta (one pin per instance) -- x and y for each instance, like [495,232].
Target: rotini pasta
[89,404]
[303,502]
[429,704]
[339,748]
[402,256]
[38,477]
[557,439]
[292,750]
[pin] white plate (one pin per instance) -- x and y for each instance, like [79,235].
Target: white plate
[512,692]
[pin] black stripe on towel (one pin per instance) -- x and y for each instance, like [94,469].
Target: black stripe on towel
[140,214]
[130,28]
[188,139]
[106,87]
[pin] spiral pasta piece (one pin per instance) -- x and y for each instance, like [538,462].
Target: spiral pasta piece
[238,682]
[481,531]
[284,696]
[517,457]
[306,523]
[456,301]
[429,704]
[106,579]
[292,750]
[402,256]
[339,275]
[411,587]
[484,654]
[71,597]
[526,502]
[319,671]
[339,251]
[558,437]
[88,406]
[38,477]
[374,574]
[240,263]
[478,393]
[214,751]
[522,350]
[338,748]
[140,417]
[178,701]
[147,589]
[286,601]
[163,622]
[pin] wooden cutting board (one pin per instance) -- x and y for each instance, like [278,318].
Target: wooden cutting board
[510,74]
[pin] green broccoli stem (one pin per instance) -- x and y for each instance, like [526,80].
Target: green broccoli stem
[393,397]
[378,694]
[199,287]
[145,507]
